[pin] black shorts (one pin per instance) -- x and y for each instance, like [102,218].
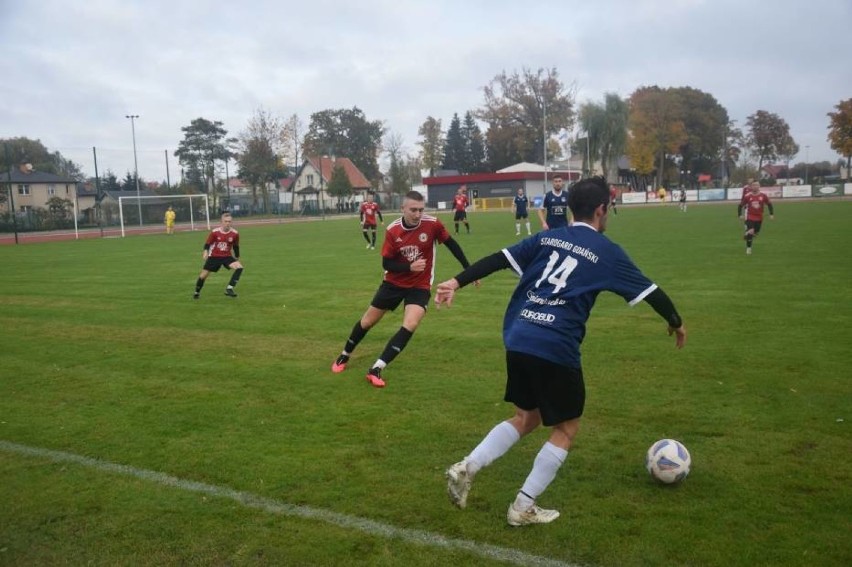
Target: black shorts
[753,225]
[519,216]
[389,296]
[213,264]
[557,391]
[460,216]
[369,226]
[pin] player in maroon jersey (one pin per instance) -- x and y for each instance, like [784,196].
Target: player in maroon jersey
[460,205]
[751,210]
[408,257]
[369,212]
[222,248]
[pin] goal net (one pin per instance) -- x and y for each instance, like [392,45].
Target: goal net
[147,213]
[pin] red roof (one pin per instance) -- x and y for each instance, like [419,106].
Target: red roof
[356,178]
[774,170]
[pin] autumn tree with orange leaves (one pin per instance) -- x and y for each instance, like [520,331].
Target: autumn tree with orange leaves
[656,129]
[840,131]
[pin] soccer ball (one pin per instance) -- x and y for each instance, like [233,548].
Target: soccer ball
[668,461]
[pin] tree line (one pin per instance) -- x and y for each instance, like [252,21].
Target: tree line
[668,134]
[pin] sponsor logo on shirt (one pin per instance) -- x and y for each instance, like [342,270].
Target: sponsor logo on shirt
[537,317]
[532,297]
[411,253]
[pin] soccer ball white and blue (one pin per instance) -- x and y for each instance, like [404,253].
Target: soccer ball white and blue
[668,461]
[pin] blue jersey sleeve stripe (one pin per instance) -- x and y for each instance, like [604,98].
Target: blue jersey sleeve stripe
[512,262]
[642,295]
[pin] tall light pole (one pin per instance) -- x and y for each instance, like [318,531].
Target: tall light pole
[544,138]
[807,159]
[133,118]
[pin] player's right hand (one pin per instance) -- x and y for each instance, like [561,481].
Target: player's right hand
[418,265]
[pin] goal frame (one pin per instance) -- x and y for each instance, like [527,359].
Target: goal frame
[134,198]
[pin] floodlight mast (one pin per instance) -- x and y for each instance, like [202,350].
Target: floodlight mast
[133,118]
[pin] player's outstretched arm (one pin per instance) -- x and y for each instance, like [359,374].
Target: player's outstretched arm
[663,305]
[472,274]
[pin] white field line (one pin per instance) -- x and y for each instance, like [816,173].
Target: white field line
[370,527]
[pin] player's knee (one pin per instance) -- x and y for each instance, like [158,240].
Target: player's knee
[525,421]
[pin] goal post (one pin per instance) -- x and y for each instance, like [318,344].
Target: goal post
[152,208]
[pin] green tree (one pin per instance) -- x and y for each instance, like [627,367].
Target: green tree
[59,208]
[592,118]
[504,146]
[400,181]
[259,154]
[24,150]
[705,123]
[523,109]
[454,146]
[204,142]
[339,185]
[129,182]
[431,144]
[840,131]
[769,137]
[348,133]
[473,155]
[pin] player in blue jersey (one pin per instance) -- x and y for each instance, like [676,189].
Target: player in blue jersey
[520,206]
[562,271]
[554,209]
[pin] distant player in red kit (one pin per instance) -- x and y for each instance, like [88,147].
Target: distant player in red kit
[613,199]
[751,210]
[222,248]
[408,257]
[460,205]
[369,212]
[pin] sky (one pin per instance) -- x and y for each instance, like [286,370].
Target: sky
[74,69]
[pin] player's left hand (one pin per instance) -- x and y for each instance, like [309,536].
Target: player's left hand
[680,335]
[445,292]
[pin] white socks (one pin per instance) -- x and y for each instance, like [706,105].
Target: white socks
[499,440]
[546,465]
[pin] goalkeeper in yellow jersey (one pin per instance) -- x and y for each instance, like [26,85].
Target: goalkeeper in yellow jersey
[170,220]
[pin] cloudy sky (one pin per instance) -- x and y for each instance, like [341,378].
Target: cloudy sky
[73,69]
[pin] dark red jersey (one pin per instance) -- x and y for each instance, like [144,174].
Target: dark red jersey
[409,244]
[368,213]
[753,204]
[460,203]
[221,244]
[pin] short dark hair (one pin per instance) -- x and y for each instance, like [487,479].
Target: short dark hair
[415,196]
[586,195]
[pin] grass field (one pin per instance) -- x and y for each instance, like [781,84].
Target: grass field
[106,360]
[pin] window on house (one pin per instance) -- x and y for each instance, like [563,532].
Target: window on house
[310,179]
[51,190]
[23,189]
[26,208]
